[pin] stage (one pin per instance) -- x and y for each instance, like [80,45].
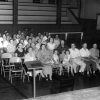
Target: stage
[83,94]
[63,88]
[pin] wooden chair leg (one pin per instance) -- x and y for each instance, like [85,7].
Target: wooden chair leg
[1,70]
[4,73]
[23,78]
[68,70]
[9,75]
[72,71]
[11,79]
[39,77]
[28,78]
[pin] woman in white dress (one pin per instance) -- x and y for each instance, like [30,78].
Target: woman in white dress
[51,45]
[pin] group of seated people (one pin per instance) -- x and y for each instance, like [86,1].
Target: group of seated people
[51,52]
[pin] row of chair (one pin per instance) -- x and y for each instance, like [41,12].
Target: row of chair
[13,67]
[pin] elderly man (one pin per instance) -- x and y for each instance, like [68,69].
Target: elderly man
[94,53]
[85,55]
[76,59]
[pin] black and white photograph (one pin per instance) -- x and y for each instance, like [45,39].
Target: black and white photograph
[49,49]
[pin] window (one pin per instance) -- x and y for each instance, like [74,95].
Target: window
[36,1]
[52,1]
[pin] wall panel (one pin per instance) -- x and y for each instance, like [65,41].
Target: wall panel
[44,13]
[6,22]
[5,17]
[5,7]
[41,18]
[44,22]
[37,8]
[35,13]
[31,13]
[6,12]
[25,1]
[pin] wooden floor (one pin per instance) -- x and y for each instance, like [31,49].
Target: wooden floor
[19,90]
[83,94]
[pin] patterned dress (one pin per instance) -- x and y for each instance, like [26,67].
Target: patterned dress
[45,56]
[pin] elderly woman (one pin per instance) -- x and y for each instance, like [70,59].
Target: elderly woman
[45,56]
[51,45]
[11,47]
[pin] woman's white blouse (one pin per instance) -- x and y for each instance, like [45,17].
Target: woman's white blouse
[51,46]
[66,59]
[29,57]
[56,58]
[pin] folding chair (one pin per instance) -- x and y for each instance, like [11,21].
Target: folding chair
[5,63]
[56,68]
[17,69]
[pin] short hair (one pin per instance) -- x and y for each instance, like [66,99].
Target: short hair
[73,44]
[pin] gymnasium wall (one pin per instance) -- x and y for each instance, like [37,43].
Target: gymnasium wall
[6,12]
[44,13]
[90,8]
[37,17]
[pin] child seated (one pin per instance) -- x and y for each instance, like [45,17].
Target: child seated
[67,63]
[56,61]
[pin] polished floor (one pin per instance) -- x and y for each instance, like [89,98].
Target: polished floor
[82,94]
[19,90]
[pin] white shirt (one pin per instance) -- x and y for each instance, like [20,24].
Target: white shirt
[11,48]
[29,57]
[1,39]
[44,38]
[66,59]
[56,58]
[25,42]
[84,52]
[5,44]
[74,53]
[1,44]
[51,46]
[38,46]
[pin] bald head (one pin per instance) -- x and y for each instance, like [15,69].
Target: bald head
[73,46]
[84,45]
